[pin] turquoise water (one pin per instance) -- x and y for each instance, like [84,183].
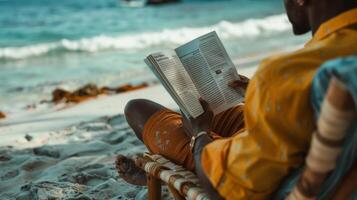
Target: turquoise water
[46,44]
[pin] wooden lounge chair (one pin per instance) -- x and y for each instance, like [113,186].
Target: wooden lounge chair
[337,113]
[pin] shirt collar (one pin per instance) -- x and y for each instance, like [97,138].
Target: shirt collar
[341,21]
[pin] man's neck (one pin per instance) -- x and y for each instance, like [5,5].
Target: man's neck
[324,12]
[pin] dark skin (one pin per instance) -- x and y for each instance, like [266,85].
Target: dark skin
[308,15]
[304,15]
[138,111]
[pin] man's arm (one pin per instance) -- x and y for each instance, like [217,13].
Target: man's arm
[201,142]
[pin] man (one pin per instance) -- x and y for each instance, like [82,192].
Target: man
[247,159]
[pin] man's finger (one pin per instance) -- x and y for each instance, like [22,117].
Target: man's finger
[238,84]
[244,79]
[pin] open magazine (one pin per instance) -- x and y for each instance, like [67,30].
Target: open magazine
[200,68]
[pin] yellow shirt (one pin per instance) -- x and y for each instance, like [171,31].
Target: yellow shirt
[278,116]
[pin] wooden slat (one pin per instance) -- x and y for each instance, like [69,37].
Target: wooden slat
[154,187]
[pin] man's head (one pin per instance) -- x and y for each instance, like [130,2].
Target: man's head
[308,15]
[298,15]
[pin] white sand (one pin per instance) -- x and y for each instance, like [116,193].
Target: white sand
[41,122]
[69,152]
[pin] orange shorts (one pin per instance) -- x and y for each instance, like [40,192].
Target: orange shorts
[164,134]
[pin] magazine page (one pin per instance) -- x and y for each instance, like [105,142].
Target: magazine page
[209,66]
[170,71]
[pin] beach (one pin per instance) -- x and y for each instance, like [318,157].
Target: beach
[69,152]
[69,44]
[65,148]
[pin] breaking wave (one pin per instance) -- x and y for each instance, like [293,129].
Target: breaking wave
[225,29]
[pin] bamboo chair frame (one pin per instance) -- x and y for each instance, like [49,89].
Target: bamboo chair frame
[183,184]
[337,113]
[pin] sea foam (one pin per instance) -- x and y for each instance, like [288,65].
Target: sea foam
[225,29]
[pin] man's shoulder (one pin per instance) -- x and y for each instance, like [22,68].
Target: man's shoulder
[292,62]
[305,61]
[340,44]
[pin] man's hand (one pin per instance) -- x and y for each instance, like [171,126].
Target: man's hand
[192,128]
[238,85]
[201,123]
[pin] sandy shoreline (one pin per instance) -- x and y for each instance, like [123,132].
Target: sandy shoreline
[68,152]
[73,163]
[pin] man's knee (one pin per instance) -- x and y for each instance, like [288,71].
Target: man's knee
[138,111]
[133,105]
[142,107]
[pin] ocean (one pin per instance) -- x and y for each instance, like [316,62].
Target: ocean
[45,44]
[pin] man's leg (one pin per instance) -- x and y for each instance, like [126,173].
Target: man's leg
[162,132]
[137,113]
